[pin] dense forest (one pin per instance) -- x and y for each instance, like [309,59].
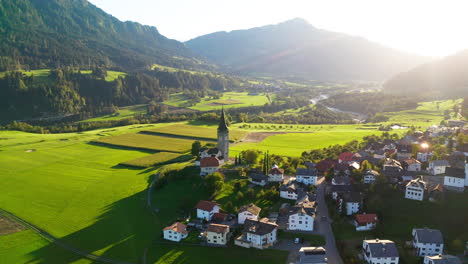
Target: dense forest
[370,103]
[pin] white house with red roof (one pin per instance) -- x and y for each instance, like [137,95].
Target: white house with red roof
[276,174]
[364,222]
[206,209]
[209,165]
[345,157]
[175,232]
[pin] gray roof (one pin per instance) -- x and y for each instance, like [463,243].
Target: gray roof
[353,197]
[258,177]
[440,163]
[382,248]
[306,172]
[311,255]
[258,227]
[445,259]
[430,236]
[455,172]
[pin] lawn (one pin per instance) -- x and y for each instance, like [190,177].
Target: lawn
[147,142]
[42,75]
[228,100]
[123,113]
[198,132]
[157,159]
[15,248]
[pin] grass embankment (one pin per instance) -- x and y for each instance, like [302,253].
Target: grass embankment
[200,132]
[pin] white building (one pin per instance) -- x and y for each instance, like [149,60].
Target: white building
[365,222]
[454,183]
[257,234]
[250,211]
[306,176]
[206,210]
[300,219]
[258,179]
[442,259]
[369,176]
[424,156]
[351,201]
[312,255]
[437,167]
[427,242]
[415,190]
[217,234]
[209,165]
[412,164]
[276,174]
[380,251]
[175,232]
[291,191]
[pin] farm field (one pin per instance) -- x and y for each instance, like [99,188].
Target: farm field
[147,142]
[202,132]
[156,159]
[42,75]
[124,112]
[227,100]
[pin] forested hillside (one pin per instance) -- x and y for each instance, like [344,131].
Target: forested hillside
[447,77]
[296,48]
[465,108]
[56,33]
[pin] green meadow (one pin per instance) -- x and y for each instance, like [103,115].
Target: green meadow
[156,159]
[227,100]
[123,113]
[202,132]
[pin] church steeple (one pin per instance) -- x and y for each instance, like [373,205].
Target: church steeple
[222,122]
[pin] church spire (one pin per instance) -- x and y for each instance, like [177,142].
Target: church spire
[222,122]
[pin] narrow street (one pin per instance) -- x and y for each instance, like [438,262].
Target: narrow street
[323,225]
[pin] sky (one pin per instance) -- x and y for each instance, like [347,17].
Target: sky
[426,27]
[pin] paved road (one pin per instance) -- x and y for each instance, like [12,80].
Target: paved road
[57,241]
[324,226]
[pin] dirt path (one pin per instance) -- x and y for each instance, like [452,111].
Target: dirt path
[257,137]
[9,227]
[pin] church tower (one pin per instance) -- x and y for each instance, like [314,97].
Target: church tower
[223,137]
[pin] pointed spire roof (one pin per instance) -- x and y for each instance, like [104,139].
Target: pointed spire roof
[222,122]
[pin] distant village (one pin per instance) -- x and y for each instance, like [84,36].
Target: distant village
[407,163]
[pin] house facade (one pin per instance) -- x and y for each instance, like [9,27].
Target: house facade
[257,234]
[209,165]
[250,211]
[454,183]
[312,255]
[369,176]
[291,191]
[306,176]
[424,156]
[300,219]
[442,259]
[427,242]
[206,210]
[380,251]
[365,222]
[412,164]
[415,190]
[175,232]
[275,174]
[437,167]
[217,234]
[258,179]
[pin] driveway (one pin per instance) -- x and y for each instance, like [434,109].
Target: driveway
[323,225]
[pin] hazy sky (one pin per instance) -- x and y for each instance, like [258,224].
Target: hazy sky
[427,27]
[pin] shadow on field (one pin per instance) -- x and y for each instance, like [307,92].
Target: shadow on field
[121,232]
[107,145]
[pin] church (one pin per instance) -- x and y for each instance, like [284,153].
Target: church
[212,158]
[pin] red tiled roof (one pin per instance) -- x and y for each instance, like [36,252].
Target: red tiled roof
[177,227]
[218,228]
[219,217]
[363,219]
[206,205]
[325,165]
[346,156]
[209,162]
[276,171]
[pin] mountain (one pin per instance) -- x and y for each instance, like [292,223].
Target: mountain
[297,48]
[51,33]
[447,76]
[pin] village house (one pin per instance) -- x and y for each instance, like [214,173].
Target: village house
[292,191]
[352,202]
[209,165]
[276,174]
[437,167]
[345,157]
[442,259]
[175,232]
[217,234]
[312,255]
[257,234]
[250,211]
[424,156]
[365,222]
[258,179]
[454,179]
[412,164]
[210,152]
[301,217]
[415,189]
[380,251]
[206,210]
[341,180]
[379,154]
[306,176]
[404,149]
[427,242]
[369,176]
[338,190]
[392,168]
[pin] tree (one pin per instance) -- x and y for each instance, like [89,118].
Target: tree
[214,183]
[250,156]
[196,147]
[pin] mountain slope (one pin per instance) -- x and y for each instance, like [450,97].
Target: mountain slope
[447,76]
[297,48]
[39,33]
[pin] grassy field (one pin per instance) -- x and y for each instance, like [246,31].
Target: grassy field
[147,142]
[124,112]
[202,132]
[42,75]
[156,159]
[228,100]
[303,137]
